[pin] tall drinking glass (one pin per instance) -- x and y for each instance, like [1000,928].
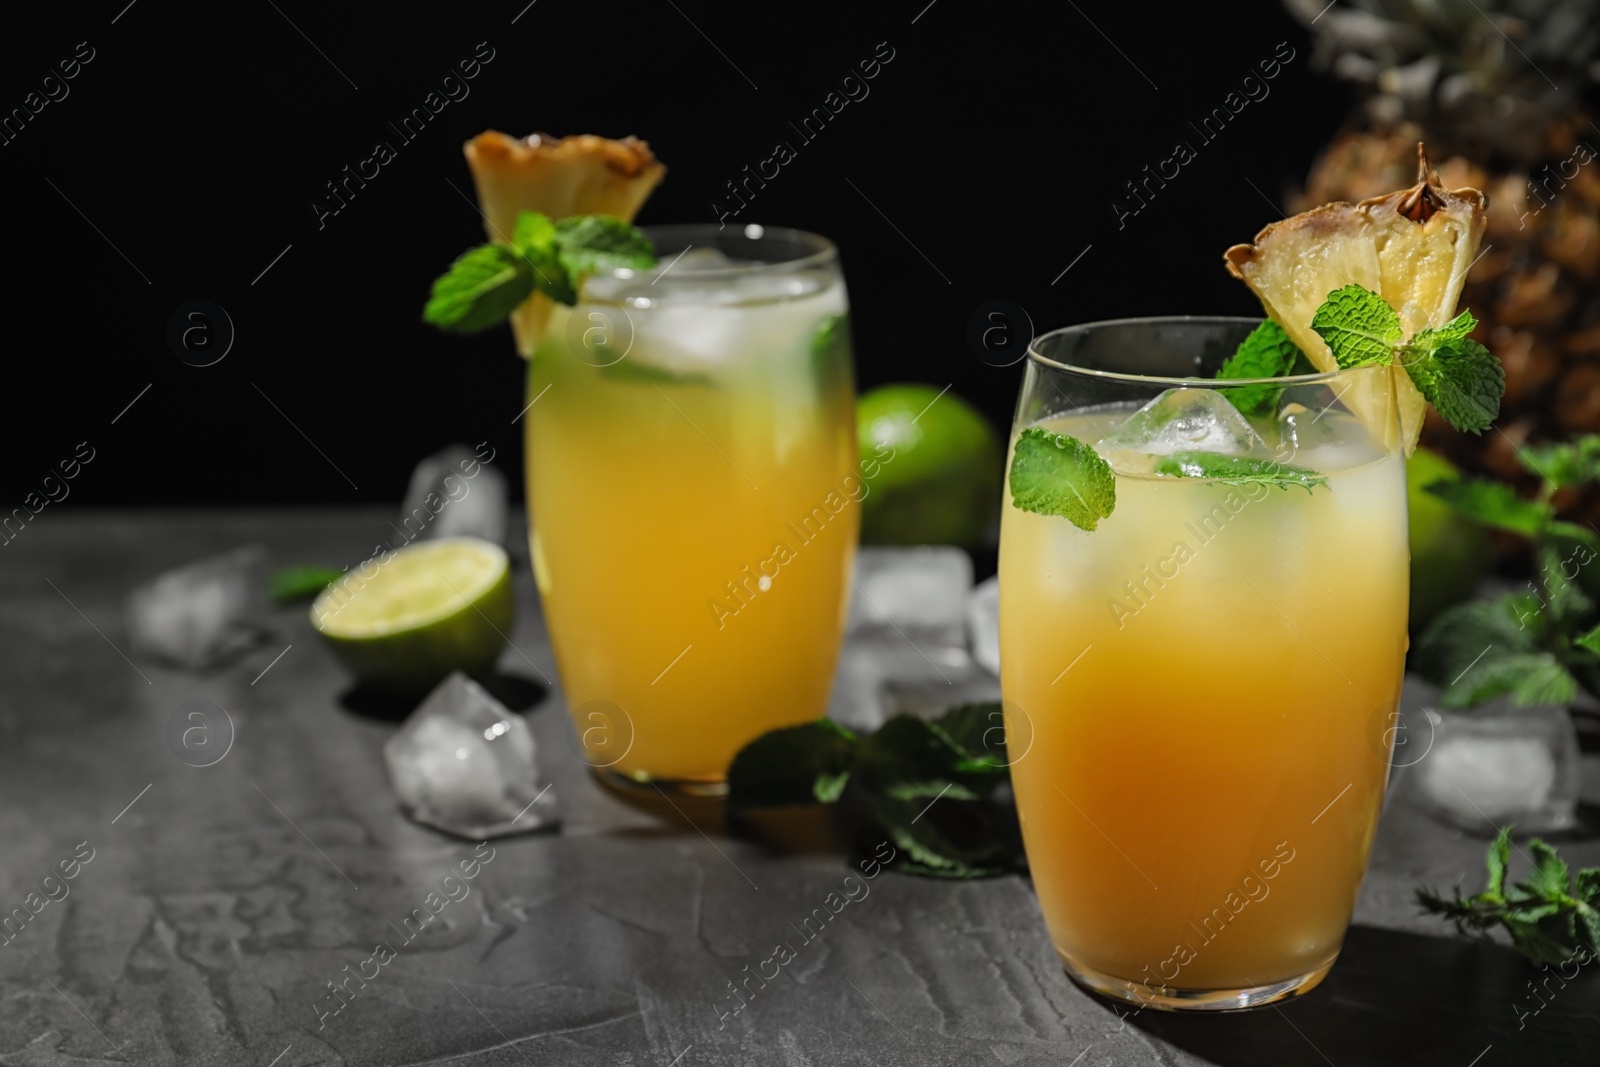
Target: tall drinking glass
[1198,691]
[692,482]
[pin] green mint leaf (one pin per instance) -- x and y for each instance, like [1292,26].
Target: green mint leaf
[1493,504]
[1456,329]
[534,235]
[1461,379]
[1530,678]
[1497,859]
[909,758]
[978,731]
[590,244]
[1052,474]
[1358,327]
[1562,465]
[301,583]
[1266,353]
[1461,635]
[1590,640]
[479,290]
[806,764]
[830,355]
[1550,878]
[949,838]
[1237,470]
[1567,599]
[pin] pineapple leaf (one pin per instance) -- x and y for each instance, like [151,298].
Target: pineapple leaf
[1358,327]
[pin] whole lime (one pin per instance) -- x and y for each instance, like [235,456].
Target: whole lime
[1449,553]
[932,467]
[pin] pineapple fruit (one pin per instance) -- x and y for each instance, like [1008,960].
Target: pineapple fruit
[1495,87]
[558,177]
[1413,247]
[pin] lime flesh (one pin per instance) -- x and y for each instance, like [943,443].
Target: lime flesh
[402,621]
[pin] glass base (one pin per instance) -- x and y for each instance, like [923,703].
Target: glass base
[645,785]
[1167,998]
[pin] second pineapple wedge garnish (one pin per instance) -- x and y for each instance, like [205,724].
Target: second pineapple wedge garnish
[558,177]
[1412,247]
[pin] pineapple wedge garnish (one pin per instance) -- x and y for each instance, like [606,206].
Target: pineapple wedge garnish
[558,177]
[1412,247]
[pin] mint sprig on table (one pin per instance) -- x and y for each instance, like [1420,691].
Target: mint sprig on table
[927,783]
[1552,917]
[487,283]
[1460,378]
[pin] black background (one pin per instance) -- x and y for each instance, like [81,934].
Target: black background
[197,137]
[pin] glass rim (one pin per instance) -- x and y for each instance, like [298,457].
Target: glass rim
[1171,382]
[818,251]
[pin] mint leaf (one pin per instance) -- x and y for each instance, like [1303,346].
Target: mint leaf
[1359,327]
[806,764]
[1562,465]
[1590,640]
[909,758]
[479,290]
[1550,919]
[1456,329]
[595,244]
[1461,379]
[830,355]
[1499,856]
[978,732]
[1237,470]
[949,838]
[1052,474]
[534,235]
[1493,504]
[1266,353]
[301,583]
[1566,598]
[1530,678]
[1461,635]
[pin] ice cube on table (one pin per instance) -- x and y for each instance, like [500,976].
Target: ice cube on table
[875,668]
[919,590]
[983,624]
[452,493]
[1185,420]
[202,614]
[1499,764]
[465,764]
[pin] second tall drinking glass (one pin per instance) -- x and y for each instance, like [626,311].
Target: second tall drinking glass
[694,496]
[1198,691]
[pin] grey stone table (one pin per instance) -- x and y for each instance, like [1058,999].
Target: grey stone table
[219,902]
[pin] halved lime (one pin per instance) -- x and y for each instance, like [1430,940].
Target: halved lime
[402,621]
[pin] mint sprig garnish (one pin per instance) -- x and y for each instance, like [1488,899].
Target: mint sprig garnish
[928,784]
[1266,353]
[1053,474]
[1237,470]
[480,290]
[1552,917]
[1460,378]
[1359,327]
[487,283]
